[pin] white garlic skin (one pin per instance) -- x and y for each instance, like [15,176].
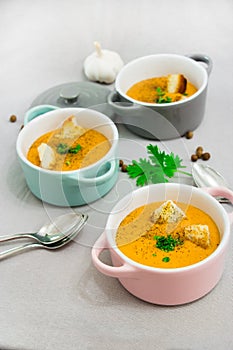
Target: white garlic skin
[102,65]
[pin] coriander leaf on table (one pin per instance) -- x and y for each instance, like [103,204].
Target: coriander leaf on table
[155,155]
[157,168]
[139,170]
[168,162]
[173,164]
[145,172]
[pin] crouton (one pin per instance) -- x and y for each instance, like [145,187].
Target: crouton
[176,83]
[198,234]
[168,213]
[46,155]
[70,129]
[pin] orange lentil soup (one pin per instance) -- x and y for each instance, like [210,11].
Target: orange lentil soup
[136,238]
[92,146]
[154,90]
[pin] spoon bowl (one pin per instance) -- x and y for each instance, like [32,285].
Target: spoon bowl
[56,243]
[53,232]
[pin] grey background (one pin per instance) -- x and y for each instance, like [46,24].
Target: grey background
[58,300]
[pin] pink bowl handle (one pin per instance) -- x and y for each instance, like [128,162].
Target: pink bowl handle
[124,270]
[221,191]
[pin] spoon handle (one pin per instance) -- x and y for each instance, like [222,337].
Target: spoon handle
[15,250]
[16,236]
[223,200]
[222,194]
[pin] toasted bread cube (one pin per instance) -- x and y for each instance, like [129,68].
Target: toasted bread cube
[176,83]
[46,155]
[70,129]
[168,213]
[198,234]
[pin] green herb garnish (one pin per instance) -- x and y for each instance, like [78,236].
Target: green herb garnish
[167,99]
[75,149]
[166,259]
[63,148]
[167,244]
[157,169]
[160,92]
[161,98]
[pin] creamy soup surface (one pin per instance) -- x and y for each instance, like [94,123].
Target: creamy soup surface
[140,239]
[156,90]
[69,151]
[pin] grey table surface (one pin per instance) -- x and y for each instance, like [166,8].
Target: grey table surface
[58,300]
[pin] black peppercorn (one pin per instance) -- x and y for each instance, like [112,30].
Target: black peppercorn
[194,157]
[13,118]
[205,156]
[189,134]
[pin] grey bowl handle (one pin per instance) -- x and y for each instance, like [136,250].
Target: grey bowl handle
[205,59]
[117,105]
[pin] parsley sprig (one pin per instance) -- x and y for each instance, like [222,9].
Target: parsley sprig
[63,148]
[161,98]
[167,244]
[75,149]
[157,169]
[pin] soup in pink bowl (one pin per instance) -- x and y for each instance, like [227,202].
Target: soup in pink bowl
[166,286]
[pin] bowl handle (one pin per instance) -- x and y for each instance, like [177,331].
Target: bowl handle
[36,111]
[115,103]
[221,191]
[98,180]
[124,270]
[205,59]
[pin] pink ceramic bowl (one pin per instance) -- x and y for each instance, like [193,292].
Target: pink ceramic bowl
[158,285]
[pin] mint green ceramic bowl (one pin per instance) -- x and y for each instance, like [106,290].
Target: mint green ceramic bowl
[70,188]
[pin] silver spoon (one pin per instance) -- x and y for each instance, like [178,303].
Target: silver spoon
[205,176]
[50,233]
[64,239]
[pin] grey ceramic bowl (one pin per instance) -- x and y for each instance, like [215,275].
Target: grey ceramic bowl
[162,121]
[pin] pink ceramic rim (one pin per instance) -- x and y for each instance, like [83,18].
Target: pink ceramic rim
[224,240]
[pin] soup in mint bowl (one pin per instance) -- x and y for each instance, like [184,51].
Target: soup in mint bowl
[70,187]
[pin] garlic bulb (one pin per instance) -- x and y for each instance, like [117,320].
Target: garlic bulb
[102,65]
